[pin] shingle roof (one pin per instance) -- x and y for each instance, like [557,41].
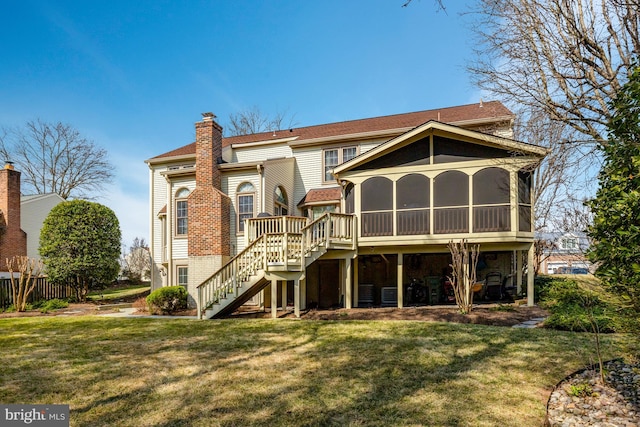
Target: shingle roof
[321,195]
[462,113]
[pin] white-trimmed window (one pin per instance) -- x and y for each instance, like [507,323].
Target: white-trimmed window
[182,212]
[182,276]
[280,202]
[245,197]
[332,157]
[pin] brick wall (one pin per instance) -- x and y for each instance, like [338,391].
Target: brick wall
[13,241]
[209,208]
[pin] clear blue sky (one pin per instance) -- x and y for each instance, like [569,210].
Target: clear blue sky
[134,76]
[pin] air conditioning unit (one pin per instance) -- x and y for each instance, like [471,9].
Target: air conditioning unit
[389,296]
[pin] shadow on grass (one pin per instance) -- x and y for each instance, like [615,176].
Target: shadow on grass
[260,372]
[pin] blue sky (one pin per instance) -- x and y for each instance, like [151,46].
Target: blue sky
[134,76]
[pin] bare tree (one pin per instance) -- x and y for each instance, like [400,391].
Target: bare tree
[137,262]
[28,270]
[56,158]
[254,120]
[565,58]
[464,261]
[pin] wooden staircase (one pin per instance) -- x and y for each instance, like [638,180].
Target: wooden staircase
[272,250]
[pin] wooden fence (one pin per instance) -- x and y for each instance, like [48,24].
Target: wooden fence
[43,291]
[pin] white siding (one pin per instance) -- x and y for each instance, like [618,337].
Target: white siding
[33,211]
[279,172]
[230,183]
[260,153]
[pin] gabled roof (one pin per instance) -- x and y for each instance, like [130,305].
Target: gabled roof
[34,197]
[321,195]
[483,112]
[445,130]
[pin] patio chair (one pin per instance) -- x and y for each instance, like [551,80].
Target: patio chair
[493,285]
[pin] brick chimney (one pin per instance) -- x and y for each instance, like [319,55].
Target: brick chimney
[209,209]
[13,241]
[208,151]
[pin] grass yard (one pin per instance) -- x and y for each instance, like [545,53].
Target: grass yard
[119,292]
[154,372]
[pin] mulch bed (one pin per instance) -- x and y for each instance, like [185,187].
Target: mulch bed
[486,314]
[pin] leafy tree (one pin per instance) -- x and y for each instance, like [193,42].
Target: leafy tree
[80,245]
[56,158]
[616,207]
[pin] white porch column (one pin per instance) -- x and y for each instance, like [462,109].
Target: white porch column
[284,296]
[400,279]
[274,299]
[519,273]
[355,282]
[296,298]
[348,286]
[303,293]
[530,273]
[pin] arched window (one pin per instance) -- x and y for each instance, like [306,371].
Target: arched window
[412,204]
[377,207]
[182,212]
[451,202]
[280,202]
[491,202]
[245,196]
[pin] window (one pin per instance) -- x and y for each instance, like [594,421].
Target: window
[280,202]
[246,194]
[377,207]
[569,243]
[524,200]
[336,156]
[412,204]
[451,203]
[183,276]
[182,212]
[317,211]
[491,204]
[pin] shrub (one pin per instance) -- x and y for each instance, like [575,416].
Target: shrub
[167,300]
[572,307]
[53,304]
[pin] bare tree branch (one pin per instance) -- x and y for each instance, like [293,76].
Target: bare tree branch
[56,158]
[253,121]
[565,58]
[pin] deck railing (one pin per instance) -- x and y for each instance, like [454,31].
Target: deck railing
[256,227]
[276,251]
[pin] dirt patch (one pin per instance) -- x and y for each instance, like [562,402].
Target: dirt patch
[486,314]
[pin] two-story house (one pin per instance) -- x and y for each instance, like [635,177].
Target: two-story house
[342,214]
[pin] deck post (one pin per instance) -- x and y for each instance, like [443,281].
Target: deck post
[284,296]
[296,298]
[530,273]
[400,280]
[348,286]
[355,282]
[274,299]
[519,273]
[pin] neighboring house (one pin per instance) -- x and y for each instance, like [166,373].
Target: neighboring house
[342,214]
[34,210]
[565,253]
[13,240]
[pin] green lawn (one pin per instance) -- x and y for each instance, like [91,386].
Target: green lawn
[155,372]
[115,293]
